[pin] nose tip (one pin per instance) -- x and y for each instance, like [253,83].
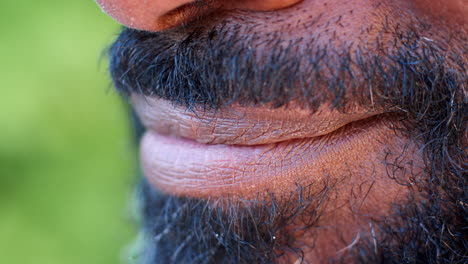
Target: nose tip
[147,14]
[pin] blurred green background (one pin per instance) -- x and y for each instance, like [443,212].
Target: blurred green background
[66,157]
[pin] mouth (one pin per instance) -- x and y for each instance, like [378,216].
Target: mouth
[241,152]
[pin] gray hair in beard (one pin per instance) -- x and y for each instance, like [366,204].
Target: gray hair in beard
[418,80]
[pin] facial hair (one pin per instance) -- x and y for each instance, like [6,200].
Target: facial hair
[214,67]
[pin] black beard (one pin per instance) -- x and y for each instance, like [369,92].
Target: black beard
[417,79]
[180,230]
[194,231]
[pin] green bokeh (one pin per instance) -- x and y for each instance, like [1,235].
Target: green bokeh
[66,158]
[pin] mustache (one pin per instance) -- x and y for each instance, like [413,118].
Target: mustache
[214,68]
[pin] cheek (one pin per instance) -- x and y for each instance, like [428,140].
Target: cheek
[452,11]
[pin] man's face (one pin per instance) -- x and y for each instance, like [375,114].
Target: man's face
[292,131]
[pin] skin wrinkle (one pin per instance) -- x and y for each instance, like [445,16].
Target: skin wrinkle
[207,167]
[412,203]
[225,127]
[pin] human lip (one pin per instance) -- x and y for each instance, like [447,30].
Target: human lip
[242,151]
[238,125]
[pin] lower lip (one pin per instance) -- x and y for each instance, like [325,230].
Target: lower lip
[186,168]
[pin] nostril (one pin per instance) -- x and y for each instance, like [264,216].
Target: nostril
[266,5]
[140,14]
[155,15]
[186,13]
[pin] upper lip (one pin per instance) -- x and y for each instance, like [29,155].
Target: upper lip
[240,125]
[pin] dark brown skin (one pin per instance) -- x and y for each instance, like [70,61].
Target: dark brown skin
[359,153]
[153,15]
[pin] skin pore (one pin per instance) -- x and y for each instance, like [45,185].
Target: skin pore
[387,187]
